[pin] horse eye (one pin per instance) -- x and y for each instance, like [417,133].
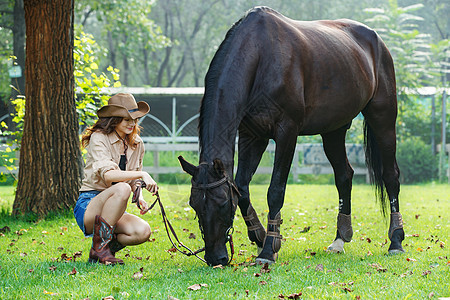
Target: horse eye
[196,199]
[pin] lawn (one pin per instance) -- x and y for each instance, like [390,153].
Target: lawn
[47,259]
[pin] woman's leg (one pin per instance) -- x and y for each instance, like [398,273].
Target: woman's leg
[109,204]
[132,230]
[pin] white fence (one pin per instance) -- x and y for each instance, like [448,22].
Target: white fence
[308,159]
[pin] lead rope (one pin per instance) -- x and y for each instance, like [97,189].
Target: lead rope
[139,185]
[166,221]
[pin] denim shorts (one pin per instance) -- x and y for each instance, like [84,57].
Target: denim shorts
[80,208]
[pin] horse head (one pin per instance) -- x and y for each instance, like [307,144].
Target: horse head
[214,198]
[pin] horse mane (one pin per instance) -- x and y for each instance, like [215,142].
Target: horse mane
[216,67]
[213,74]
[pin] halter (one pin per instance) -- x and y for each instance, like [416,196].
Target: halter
[208,186]
[229,237]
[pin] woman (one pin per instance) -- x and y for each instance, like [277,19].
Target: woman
[113,164]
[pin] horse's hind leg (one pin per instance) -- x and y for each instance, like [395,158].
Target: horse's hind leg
[380,116]
[250,152]
[334,147]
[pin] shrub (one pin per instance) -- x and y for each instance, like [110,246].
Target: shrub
[416,161]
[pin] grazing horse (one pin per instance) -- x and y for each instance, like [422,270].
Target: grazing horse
[277,78]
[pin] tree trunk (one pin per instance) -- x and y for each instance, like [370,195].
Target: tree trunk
[50,159]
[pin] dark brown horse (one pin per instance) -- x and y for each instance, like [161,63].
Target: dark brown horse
[276,78]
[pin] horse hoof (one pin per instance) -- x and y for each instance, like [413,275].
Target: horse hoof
[263,261]
[396,251]
[337,246]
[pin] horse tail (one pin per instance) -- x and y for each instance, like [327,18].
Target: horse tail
[374,165]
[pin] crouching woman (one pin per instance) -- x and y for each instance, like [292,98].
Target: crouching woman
[113,165]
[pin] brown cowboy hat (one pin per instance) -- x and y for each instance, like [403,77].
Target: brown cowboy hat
[125,106]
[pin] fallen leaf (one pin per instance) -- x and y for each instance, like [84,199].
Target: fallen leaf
[319,268]
[195,287]
[305,229]
[263,282]
[108,298]
[257,274]
[426,273]
[137,275]
[431,295]
[369,240]
[50,293]
[5,229]
[378,267]
[73,272]
[192,236]
[410,259]
[265,268]
[31,270]
[52,268]
[218,267]
[347,290]
[173,249]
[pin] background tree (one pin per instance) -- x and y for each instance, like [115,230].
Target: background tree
[50,165]
[12,19]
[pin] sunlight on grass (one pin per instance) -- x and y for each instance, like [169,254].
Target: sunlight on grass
[43,259]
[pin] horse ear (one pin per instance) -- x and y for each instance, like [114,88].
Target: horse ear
[219,167]
[187,167]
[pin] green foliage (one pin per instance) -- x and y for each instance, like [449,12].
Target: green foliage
[90,86]
[128,32]
[416,64]
[37,259]
[416,161]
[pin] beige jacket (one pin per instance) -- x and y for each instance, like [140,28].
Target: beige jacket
[103,154]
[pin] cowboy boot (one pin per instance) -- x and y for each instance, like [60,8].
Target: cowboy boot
[115,246]
[100,252]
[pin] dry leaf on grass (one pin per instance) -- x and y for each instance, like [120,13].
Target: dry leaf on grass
[73,272]
[137,275]
[196,287]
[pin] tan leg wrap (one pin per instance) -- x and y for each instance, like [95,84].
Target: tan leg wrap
[344,227]
[275,233]
[396,223]
[255,224]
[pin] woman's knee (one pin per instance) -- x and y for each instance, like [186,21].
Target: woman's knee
[123,190]
[144,232]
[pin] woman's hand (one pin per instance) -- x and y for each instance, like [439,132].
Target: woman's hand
[144,206]
[150,184]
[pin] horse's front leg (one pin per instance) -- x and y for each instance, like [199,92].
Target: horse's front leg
[334,147]
[250,153]
[275,196]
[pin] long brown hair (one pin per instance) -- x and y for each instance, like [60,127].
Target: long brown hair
[107,126]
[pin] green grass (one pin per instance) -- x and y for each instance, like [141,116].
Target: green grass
[33,263]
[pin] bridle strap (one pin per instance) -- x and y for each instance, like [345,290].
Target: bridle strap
[210,185]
